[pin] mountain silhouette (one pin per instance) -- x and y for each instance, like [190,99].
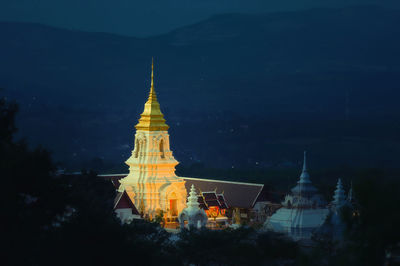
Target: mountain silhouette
[264,77]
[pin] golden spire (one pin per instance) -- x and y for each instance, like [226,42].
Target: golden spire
[152,119]
[152,76]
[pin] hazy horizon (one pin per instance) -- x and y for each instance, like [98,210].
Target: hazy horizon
[150,18]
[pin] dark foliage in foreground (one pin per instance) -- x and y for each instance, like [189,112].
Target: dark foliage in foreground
[243,246]
[68,220]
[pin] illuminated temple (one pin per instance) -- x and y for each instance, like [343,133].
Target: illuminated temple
[151,183]
[151,188]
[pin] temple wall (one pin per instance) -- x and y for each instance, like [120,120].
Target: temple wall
[151,182]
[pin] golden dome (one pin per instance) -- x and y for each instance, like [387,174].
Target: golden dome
[152,119]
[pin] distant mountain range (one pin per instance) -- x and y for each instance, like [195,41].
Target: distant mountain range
[303,79]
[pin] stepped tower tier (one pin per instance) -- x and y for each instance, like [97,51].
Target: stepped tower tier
[339,197]
[152,183]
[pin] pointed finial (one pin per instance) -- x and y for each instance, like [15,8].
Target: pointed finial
[304,177]
[193,191]
[350,196]
[152,75]
[152,119]
[305,162]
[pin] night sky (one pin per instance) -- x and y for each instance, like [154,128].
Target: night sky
[150,17]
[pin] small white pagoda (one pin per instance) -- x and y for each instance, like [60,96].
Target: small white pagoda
[339,201]
[302,211]
[195,216]
[339,198]
[334,226]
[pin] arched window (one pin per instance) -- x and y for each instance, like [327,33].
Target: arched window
[162,149]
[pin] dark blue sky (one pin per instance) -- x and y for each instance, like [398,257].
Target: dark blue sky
[148,17]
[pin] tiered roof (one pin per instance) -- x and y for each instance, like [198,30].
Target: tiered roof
[212,199]
[202,203]
[235,194]
[222,201]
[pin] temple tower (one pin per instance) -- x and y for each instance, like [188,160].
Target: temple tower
[152,183]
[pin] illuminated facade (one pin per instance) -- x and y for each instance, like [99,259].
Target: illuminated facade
[215,206]
[152,187]
[151,183]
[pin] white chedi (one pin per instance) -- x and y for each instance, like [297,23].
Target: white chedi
[303,210]
[195,216]
[334,226]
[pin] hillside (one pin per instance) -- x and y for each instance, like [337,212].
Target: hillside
[258,88]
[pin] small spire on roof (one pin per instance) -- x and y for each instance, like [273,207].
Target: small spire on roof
[350,195]
[339,197]
[305,177]
[304,185]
